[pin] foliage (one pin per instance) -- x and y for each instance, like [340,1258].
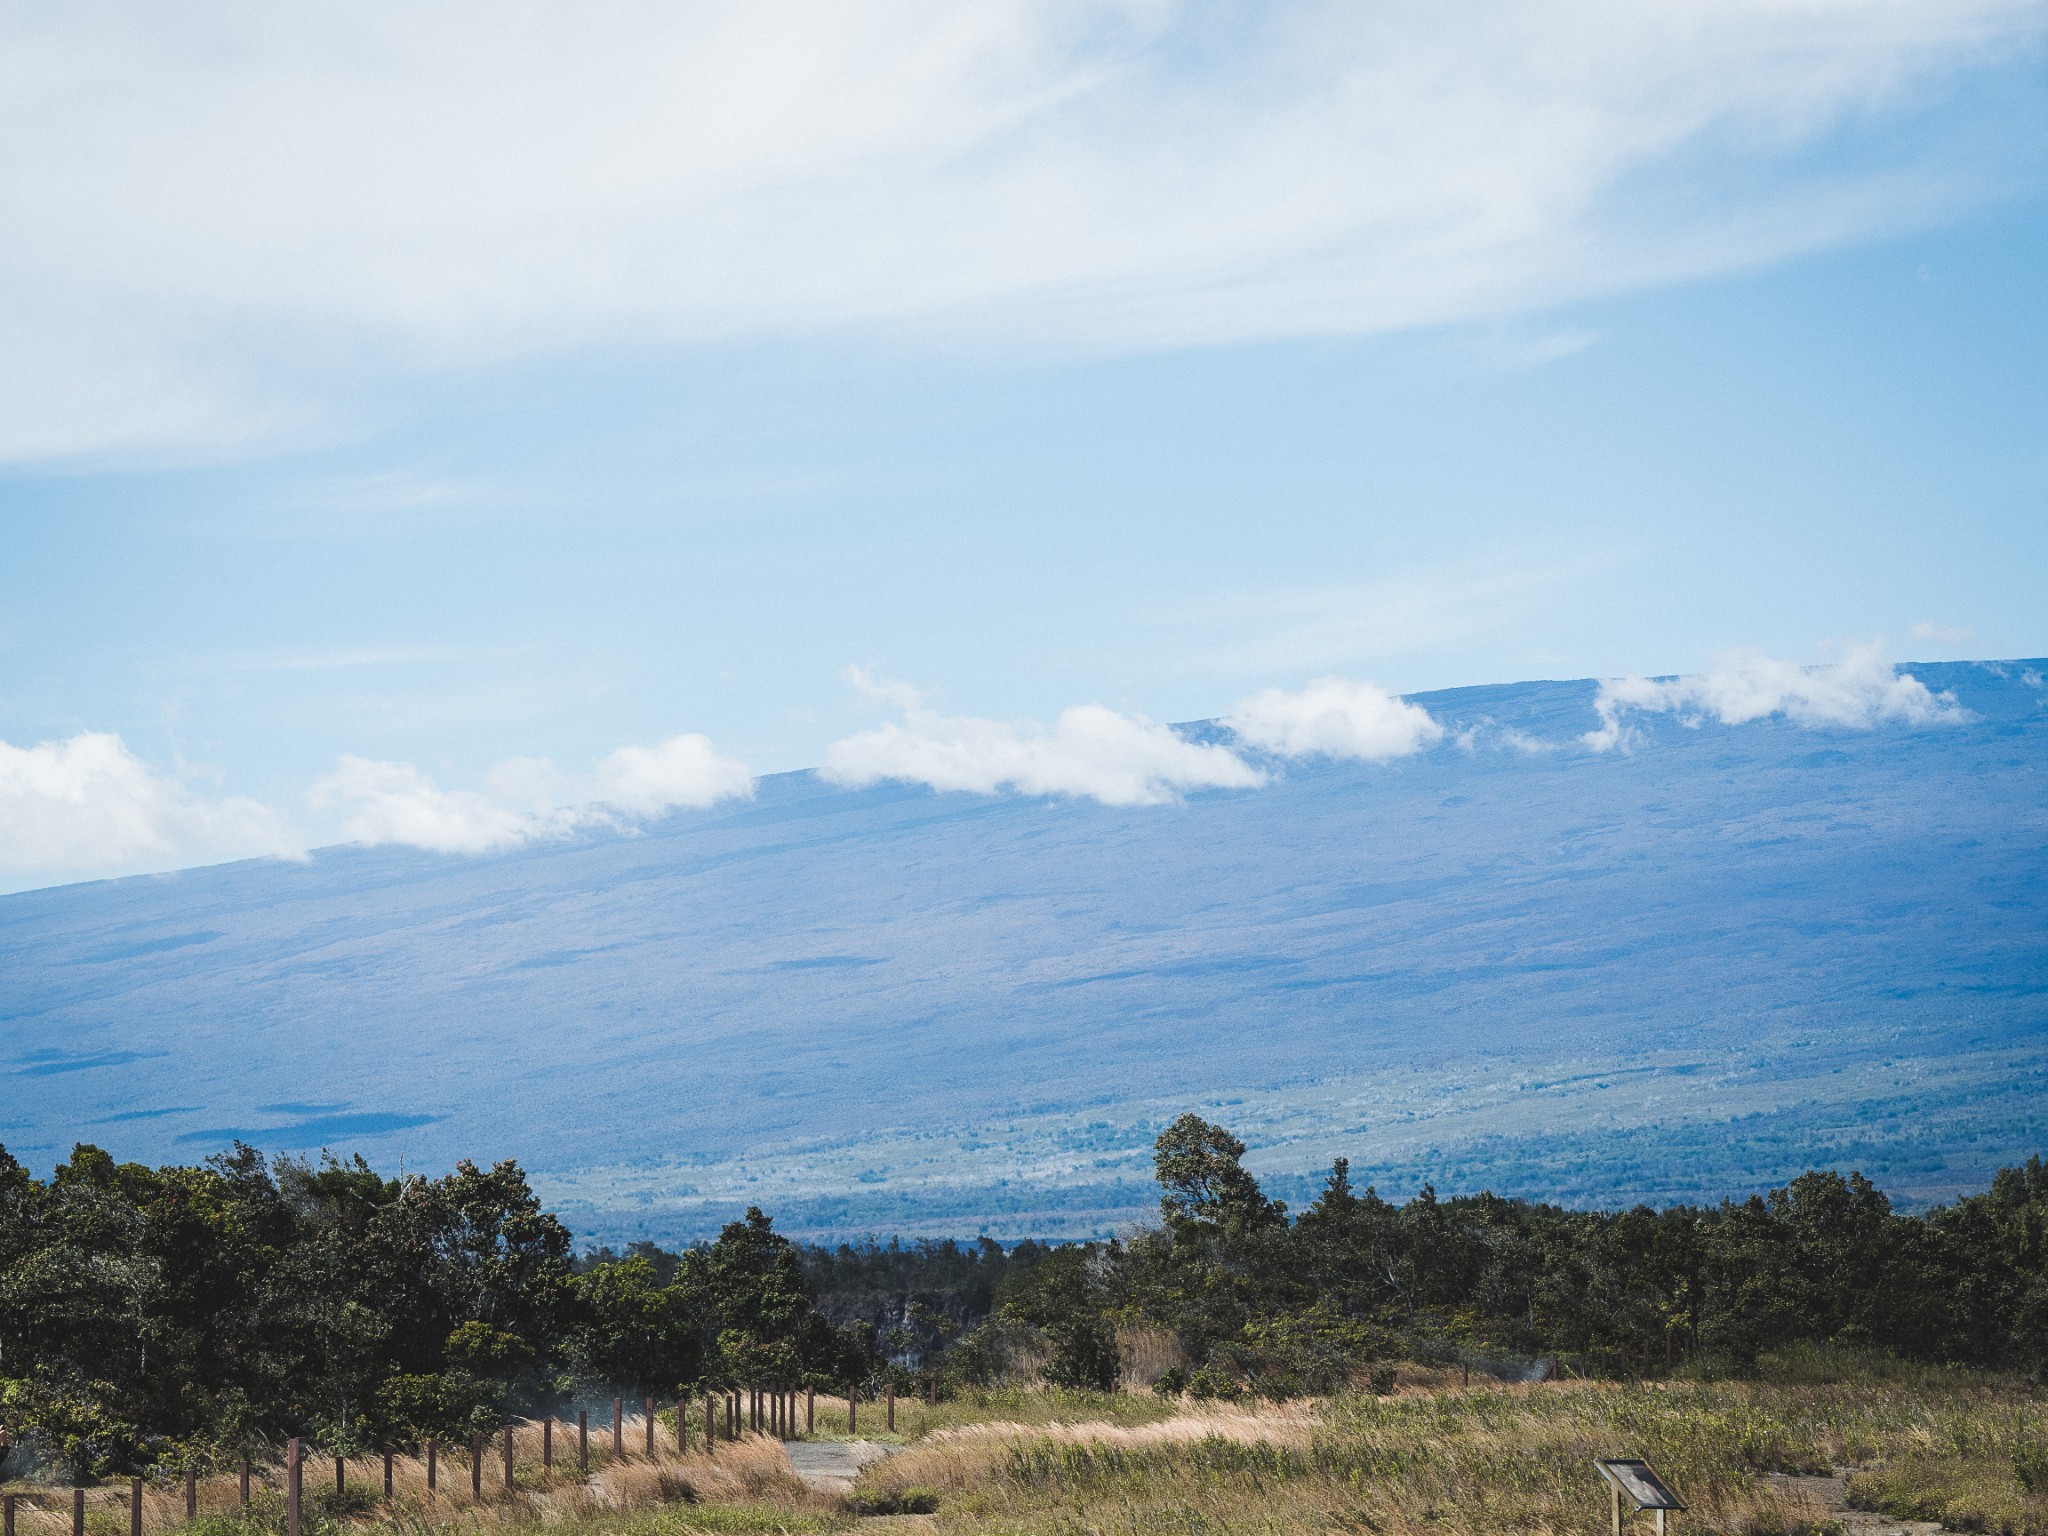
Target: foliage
[151,1318]
[1063,1299]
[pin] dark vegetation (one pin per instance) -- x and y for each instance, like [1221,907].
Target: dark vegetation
[179,1316]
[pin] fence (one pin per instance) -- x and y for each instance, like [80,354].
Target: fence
[781,1412]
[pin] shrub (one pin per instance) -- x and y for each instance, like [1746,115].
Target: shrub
[1213,1382]
[903,1501]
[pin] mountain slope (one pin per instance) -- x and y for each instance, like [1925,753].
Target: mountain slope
[1692,966]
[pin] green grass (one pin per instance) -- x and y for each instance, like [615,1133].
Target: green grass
[1508,1460]
[1929,1443]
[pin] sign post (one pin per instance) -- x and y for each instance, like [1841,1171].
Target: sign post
[1632,1479]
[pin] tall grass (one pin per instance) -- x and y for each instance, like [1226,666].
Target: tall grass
[753,1470]
[1426,1460]
[1493,1459]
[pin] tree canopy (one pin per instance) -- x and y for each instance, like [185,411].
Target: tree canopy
[166,1317]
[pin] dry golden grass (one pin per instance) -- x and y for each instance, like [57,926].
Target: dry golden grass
[1494,1459]
[1146,1354]
[1426,1460]
[754,1470]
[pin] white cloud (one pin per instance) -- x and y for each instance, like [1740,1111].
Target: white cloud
[1334,717]
[88,806]
[1859,693]
[396,803]
[529,800]
[1090,752]
[208,221]
[682,771]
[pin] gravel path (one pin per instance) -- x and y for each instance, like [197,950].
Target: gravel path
[1832,1494]
[830,1466]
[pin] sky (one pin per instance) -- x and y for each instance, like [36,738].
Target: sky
[458,425]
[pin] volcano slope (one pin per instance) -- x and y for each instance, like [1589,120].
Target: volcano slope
[1674,971]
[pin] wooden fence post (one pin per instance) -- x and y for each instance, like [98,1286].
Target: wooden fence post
[682,1426]
[810,1409]
[852,1413]
[388,1460]
[476,1466]
[78,1512]
[340,1479]
[433,1465]
[935,1389]
[294,1485]
[892,1407]
[710,1424]
[6,1514]
[618,1427]
[508,1458]
[583,1441]
[650,1429]
[547,1446]
[245,1482]
[191,1494]
[134,1506]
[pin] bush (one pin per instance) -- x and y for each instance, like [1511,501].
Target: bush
[1212,1382]
[1314,1352]
[905,1501]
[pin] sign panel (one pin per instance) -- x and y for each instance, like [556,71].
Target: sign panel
[1643,1487]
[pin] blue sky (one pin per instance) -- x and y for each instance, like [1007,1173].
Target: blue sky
[395,392]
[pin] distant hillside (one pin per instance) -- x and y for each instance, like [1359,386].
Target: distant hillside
[1703,964]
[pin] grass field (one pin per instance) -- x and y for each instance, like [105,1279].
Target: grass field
[1432,1457]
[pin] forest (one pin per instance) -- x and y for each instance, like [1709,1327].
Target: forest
[176,1317]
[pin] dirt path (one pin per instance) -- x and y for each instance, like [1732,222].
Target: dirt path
[830,1466]
[1832,1494]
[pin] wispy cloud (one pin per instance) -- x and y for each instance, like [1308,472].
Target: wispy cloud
[89,806]
[530,799]
[1398,612]
[1950,637]
[1862,691]
[1090,752]
[1333,717]
[212,223]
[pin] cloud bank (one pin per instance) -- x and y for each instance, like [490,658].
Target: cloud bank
[1333,717]
[90,806]
[202,215]
[1090,752]
[1859,693]
[531,800]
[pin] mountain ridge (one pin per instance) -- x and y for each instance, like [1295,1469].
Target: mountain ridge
[1727,953]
